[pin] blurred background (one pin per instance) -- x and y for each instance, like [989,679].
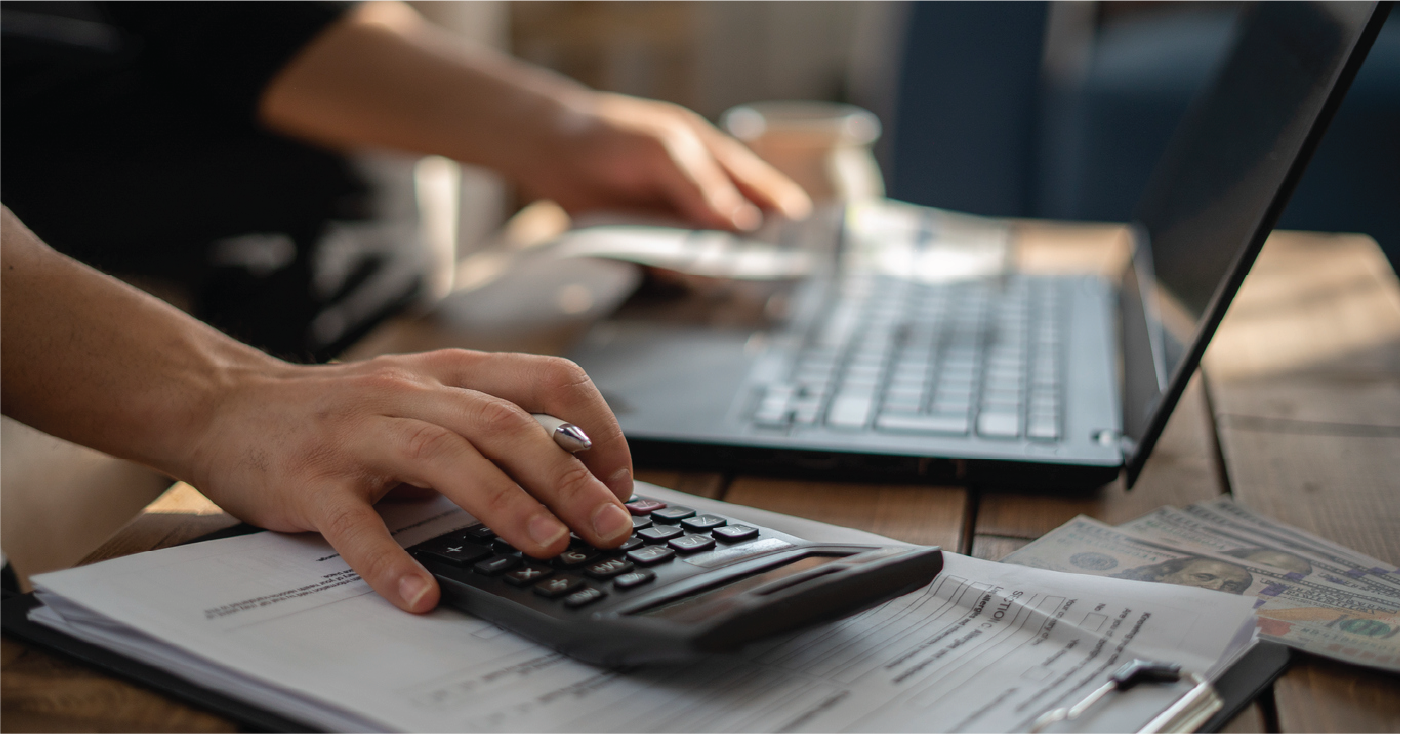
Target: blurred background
[1013,109]
[1023,109]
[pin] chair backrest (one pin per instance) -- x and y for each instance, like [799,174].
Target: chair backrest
[964,131]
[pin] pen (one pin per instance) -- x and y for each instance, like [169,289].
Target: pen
[569,436]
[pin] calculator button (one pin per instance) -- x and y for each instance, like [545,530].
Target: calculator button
[502,546]
[692,543]
[584,596]
[632,543]
[702,523]
[735,533]
[660,533]
[644,506]
[651,554]
[609,568]
[672,514]
[558,586]
[458,554]
[634,498]
[497,564]
[480,532]
[527,575]
[636,578]
[574,557]
[641,521]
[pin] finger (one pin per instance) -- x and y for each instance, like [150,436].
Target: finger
[756,179]
[358,533]
[511,439]
[549,385]
[700,188]
[428,454]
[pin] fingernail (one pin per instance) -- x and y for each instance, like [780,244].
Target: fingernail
[545,530]
[412,588]
[747,217]
[620,482]
[611,521]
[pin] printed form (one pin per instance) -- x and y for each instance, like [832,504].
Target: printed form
[281,622]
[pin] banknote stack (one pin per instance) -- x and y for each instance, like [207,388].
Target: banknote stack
[1310,593]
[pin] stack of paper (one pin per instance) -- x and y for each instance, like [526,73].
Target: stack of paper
[1309,593]
[280,621]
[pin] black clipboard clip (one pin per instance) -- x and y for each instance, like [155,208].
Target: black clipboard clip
[1186,714]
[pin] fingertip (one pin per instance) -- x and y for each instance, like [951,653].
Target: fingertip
[418,593]
[796,204]
[547,532]
[612,524]
[620,483]
[746,217]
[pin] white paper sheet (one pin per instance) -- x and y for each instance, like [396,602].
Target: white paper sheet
[277,620]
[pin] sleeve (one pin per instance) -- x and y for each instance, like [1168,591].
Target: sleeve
[219,56]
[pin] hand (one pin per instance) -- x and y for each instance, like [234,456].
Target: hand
[614,151]
[313,448]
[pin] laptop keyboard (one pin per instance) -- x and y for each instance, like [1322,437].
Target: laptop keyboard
[957,359]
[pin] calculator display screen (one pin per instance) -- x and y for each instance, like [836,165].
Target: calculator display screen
[695,608]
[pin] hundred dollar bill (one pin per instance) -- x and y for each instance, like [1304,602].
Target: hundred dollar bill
[1359,565]
[1318,617]
[1185,530]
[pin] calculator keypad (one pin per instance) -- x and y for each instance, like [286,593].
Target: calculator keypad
[673,514]
[661,533]
[527,575]
[609,568]
[650,555]
[692,543]
[558,586]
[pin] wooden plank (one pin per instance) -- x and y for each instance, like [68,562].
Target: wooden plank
[1322,695]
[1249,721]
[41,692]
[914,514]
[994,547]
[1304,379]
[1182,469]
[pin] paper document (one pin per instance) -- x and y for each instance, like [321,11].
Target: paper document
[281,622]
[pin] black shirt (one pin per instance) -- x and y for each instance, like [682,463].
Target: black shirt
[130,140]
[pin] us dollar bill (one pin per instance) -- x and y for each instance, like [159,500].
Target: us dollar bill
[1185,530]
[1223,511]
[1319,617]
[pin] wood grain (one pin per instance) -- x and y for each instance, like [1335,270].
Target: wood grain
[1250,720]
[1182,469]
[1304,381]
[41,692]
[914,514]
[702,484]
[1321,695]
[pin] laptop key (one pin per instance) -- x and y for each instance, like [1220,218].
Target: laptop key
[849,411]
[1044,429]
[999,425]
[934,424]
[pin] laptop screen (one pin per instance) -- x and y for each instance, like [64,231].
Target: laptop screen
[1221,185]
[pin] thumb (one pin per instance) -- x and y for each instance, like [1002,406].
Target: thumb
[355,530]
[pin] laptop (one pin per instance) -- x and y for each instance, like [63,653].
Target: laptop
[1005,379]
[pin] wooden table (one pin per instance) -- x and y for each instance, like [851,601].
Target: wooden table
[1296,416]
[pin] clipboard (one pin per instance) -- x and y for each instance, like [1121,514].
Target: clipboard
[1237,687]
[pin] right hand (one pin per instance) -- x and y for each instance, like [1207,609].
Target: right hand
[314,448]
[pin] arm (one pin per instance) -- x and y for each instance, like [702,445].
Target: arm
[302,448]
[383,76]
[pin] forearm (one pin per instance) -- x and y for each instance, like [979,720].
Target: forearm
[384,77]
[93,360]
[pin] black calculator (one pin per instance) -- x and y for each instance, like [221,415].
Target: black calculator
[685,584]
